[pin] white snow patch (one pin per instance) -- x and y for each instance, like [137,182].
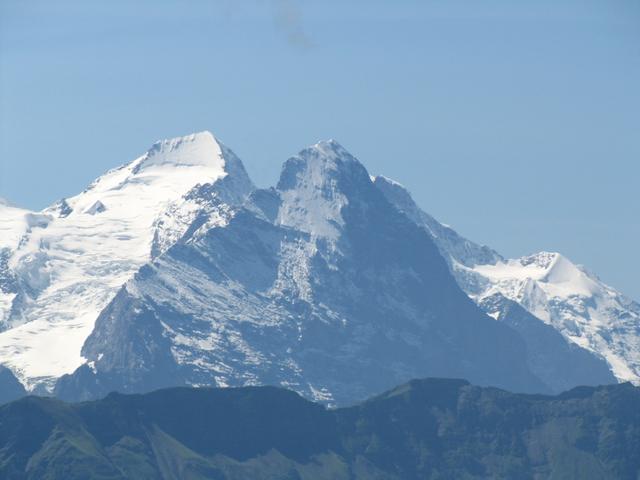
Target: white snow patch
[75,264]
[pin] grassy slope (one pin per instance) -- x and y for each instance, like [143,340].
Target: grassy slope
[424,429]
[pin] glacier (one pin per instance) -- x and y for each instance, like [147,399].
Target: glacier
[69,260]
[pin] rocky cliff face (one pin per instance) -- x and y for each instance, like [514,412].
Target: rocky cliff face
[65,264]
[319,285]
[174,270]
[600,326]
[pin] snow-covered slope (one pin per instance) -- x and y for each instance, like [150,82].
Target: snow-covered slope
[575,302]
[584,310]
[69,260]
[333,283]
[320,285]
[14,223]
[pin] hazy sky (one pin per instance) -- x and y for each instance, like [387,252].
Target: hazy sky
[518,123]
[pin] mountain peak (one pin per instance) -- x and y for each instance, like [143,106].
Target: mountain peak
[198,149]
[168,170]
[95,241]
[317,164]
[554,268]
[204,136]
[331,148]
[316,184]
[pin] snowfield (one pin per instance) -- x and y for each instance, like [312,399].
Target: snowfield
[575,302]
[71,261]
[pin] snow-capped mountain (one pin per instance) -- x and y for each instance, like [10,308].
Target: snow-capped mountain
[66,263]
[173,269]
[320,285]
[575,302]
[586,312]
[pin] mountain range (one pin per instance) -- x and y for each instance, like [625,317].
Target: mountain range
[433,428]
[175,269]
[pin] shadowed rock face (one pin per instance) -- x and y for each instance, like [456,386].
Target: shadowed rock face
[319,285]
[433,428]
[10,388]
[560,364]
[592,340]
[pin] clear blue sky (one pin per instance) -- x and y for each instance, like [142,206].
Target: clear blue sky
[518,123]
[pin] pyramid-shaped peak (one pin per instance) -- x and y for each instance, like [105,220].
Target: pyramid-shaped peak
[324,162]
[317,183]
[167,171]
[328,150]
[561,277]
[197,149]
[329,145]
[204,137]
